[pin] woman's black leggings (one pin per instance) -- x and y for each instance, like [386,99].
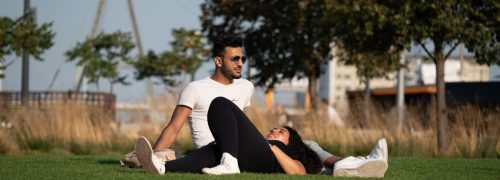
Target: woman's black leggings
[233,133]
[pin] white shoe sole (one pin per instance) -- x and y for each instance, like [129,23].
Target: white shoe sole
[144,154]
[209,172]
[375,168]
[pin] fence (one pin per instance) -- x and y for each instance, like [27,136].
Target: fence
[106,101]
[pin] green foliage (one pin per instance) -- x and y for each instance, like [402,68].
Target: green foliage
[101,56]
[367,26]
[160,66]
[370,36]
[285,39]
[188,49]
[24,34]
[187,55]
[6,27]
[483,36]
[448,23]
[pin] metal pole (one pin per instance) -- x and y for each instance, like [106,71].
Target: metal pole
[80,71]
[401,96]
[149,86]
[25,66]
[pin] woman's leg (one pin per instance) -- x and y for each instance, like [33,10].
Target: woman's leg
[206,156]
[235,134]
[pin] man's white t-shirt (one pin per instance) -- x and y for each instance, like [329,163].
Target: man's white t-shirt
[199,94]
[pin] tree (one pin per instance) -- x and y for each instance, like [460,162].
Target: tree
[446,24]
[367,38]
[189,50]
[23,34]
[440,25]
[284,39]
[187,55]
[101,56]
[160,66]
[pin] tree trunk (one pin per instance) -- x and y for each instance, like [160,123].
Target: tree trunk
[111,87]
[313,92]
[367,102]
[442,114]
[367,91]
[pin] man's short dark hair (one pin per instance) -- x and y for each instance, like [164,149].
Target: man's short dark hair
[223,41]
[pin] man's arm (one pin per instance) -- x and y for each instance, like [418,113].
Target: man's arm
[327,158]
[167,136]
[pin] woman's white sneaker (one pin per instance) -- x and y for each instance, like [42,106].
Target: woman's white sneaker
[228,165]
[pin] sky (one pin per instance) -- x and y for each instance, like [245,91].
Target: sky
[72,22]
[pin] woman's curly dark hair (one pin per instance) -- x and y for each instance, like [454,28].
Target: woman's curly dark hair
[299,151]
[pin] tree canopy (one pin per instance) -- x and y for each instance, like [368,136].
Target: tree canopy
[285,39]
[187,55]
[101,56]
[368,34]
[189,50]
[24,34]
[161,66]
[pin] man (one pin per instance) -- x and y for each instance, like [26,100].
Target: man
[196,97]
[373,165]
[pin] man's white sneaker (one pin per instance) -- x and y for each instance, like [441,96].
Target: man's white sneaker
[360,167]
[150,162]
[228,165]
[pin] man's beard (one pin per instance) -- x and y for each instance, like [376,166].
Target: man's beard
[227,72]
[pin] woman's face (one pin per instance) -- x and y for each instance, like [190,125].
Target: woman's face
[279,134]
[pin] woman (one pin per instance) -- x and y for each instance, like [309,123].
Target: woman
[238,147]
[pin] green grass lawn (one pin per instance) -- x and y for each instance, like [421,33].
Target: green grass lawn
[105,167]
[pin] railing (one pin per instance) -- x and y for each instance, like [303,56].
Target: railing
[105,101]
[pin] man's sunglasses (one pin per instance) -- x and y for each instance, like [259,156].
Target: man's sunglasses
[235,59]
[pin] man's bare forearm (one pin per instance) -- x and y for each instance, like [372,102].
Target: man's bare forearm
[169,133]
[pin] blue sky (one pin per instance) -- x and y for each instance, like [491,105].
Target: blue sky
[72,23]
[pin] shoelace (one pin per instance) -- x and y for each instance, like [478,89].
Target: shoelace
[159,159]
[370,156]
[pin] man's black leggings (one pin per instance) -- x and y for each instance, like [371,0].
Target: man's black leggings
[235,134]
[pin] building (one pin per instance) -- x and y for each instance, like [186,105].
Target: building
[338,78]
[494,73]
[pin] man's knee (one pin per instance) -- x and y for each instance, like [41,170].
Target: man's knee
[218,102]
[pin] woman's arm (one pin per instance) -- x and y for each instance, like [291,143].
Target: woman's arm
[289,165]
